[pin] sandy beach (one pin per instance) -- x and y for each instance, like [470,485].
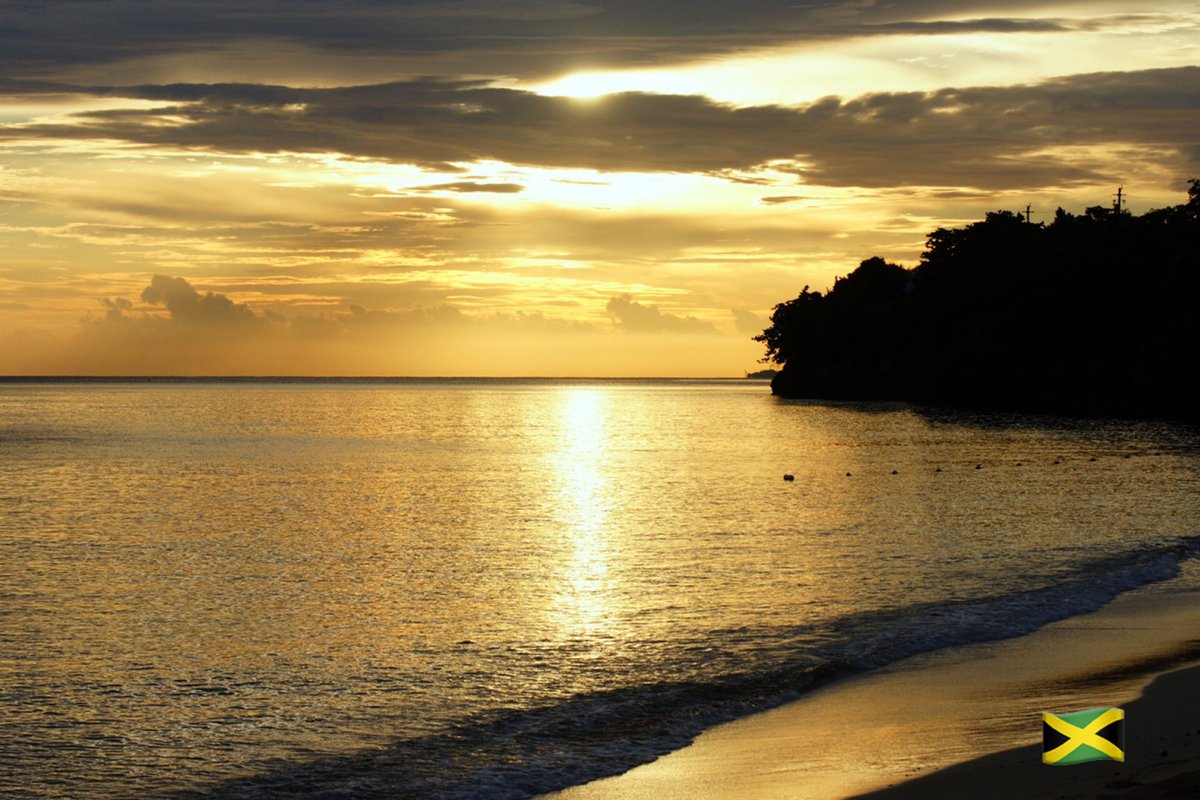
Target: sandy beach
[1162,752]
[965,721]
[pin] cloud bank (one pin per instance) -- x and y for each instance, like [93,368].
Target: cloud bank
[994,138]
[495,37]
[179,330]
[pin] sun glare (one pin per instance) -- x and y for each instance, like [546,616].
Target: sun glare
[593,85]
[901,62]
[583,596]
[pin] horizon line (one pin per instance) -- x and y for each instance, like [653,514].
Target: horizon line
[356,378]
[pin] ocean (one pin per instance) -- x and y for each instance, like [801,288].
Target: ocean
[491,589]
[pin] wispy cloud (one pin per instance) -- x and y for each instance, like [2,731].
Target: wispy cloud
[471,187]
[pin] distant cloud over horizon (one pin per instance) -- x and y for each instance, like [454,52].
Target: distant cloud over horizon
[179,330]
[628,314]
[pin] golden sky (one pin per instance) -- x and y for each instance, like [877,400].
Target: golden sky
[534,187]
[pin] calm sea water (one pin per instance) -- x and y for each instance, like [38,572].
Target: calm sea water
[489,589]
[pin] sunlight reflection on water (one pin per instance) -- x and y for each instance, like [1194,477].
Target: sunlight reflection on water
[584,595]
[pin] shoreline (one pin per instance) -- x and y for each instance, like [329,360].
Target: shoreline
[951,405]
[944,723]
[1162,760]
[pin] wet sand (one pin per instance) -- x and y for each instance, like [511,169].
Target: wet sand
[1162,751]
[964,722]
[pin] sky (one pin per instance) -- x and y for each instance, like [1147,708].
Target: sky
[535,187]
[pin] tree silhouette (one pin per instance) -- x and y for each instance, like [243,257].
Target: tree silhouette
[1094,313]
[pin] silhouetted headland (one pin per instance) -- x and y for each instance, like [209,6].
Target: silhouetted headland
[1090,314]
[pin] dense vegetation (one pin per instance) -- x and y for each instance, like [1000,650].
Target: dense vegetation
[1098,313]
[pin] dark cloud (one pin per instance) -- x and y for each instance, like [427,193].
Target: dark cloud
[630,315]
[116,308]
[990,137]
[780,199]
[482,37]
[470,187]
[186,305]
[522,37]
[747,322]
[995,25]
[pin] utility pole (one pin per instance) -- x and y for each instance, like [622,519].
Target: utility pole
[1028,214]
[1119,197]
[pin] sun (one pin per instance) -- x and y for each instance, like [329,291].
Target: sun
[592,85]
[584,85]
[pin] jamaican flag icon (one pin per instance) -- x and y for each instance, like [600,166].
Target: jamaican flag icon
[1094,735]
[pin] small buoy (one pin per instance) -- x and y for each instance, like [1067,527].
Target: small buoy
[1093,458]
[894,472]
[1019,464]
[939,469]
[847,474]
[787,476]
[979,466]
[1127,455]
[1058,461]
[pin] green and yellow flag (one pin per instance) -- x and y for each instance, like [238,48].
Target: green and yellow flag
[1094,735]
